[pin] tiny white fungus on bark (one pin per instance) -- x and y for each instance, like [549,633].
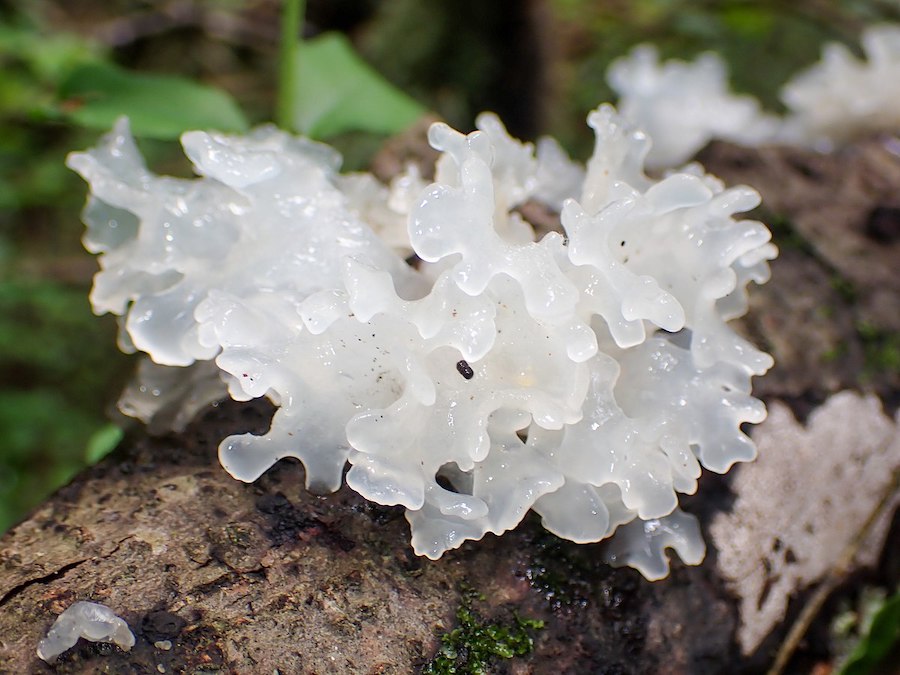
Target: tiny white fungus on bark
[89,620]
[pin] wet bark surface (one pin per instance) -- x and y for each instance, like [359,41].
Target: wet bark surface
[253,578]
[213,575]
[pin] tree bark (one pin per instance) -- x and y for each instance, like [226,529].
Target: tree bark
[258,578]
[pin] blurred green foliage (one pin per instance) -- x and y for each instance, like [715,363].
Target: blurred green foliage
[94,95]
[866,635]
[31,65]
[872,654]
[55,368]
[334,80]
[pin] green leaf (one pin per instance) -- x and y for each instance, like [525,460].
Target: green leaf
[752,22]
[102,442]
[883,635]
[158,106]
[337,92]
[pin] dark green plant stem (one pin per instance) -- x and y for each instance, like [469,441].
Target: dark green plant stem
[291,30]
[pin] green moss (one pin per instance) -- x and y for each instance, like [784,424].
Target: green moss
[239,535]
[785,235]
[824,313]
[836,353]
[881,348]
[844,288]
[475,643]
[560,572]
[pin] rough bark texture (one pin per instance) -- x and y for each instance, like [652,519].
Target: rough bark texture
[254,578]
[213,575]
[831,314]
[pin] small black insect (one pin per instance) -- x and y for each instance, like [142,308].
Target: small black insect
[465,369]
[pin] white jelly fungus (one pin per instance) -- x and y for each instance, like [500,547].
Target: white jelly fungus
[683,105]
[843,97]
[588,375]
[89,620]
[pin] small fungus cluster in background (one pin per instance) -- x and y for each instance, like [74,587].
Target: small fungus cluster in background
[587,377]
[684,105]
